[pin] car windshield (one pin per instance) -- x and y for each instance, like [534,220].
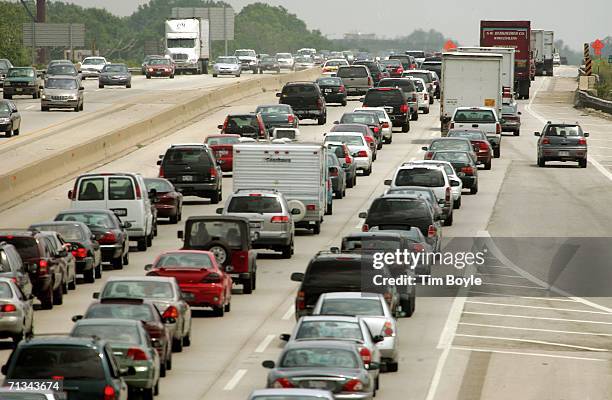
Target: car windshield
[352,72]
[563,130]
[184,260]
[242,124]
[446,144]
[27,247]
[69,362]
[406,84]
[222,140]
[160,185]
[159,61]
[115,69]
[381,114]
[452,156]
[255,203]
[303,60]
[389,206]
[142,289]
[70,233]
[359,118]
[319,358]
[61,69]
[54,83]
[336,63]
[4,64]
[227,60]
[479,116]
[94,61]
[5,290]
[269,59]
[426,177]
[472,135]
[275,109]
[352,140]
[141,312]
[381,97]
[113,333]
[391,63]
[102,220]
[447,167]
[181,43]
[4,108]
[354,306]
[329,330]
[283,55]
[21,73]
[329,81]
[203,232]
[245,53]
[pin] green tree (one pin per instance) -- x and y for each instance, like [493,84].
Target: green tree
[12,16]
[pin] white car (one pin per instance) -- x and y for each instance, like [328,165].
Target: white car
[422,95]
[361,152]
[482,118]
[285,60]
[378,317]
[331,66]
[383,117]
[92,66]
[452,175]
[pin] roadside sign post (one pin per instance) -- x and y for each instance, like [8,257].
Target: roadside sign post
[39,34]
[588,65]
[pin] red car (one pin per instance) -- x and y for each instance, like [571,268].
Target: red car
[159,67]
[482,147]
[394,67]
[169,201]
[223,148]
[200,278]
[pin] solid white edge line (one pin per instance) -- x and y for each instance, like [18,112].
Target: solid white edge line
[238,375]
[518,328]
[571,346]
[265,343]
[518,353]
[535,307]
[582,321]
[289,313]
[435,380]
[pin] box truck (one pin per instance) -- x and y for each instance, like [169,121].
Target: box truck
[188,44]
[507,65]
[298,170]
[549,52]
[514,34]
[470,80]
[537,49]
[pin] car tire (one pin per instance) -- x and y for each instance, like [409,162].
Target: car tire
[77,108]
[142,244]
[415,116]
[496,153]
[317,228]
[449,221]
[172,76]
[82,106]
[88,276]
[177,345]
[322,120]
[73,284]
[169,362]
[128,86]
[219,311]
[149,239]
[431,100]
[126,258]
[7,96]
[156,389]
[350,183]
[47,301]
[18,338]
[392,366]
[582,163]
[148,76]
[541,162]
[406,127]
[487,165]
[117,263]
[330,209]
[247,286]
[8,133]
[174,218]
[214,75]
[214,198]
[457,204]
[100,86]
[43,108]
[65,288]
[98,271]
[16,132]
[426,111]
[187,340]
[162,369]
[58,295]
[474,189]
[147,394]
[368,171]
[287,251]
[517,133]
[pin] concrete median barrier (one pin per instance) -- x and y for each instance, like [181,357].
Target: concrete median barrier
[40,175]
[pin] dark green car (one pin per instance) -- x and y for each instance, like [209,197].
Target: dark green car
[22,81]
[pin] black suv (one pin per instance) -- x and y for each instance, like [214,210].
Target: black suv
[409,90]
[306,100]
[42,263]
[86,366]
[394,102]
[193,170]
[330,272]
[12,267]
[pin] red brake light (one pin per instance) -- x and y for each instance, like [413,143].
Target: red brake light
[431,231]
[582,141]
[498,128]
[109,392]
[311,207]
[300,301]
[282,383]
[213,172]
[137,354]
[414,97]
[225,124]
[290,118]
[404,108]
[376,129]
[447,197]
[171,312]
[418,247]
[279,219]
[81,252]
[365,228]
[370,79]
[108,238]
[161,172]
[483,145]
[354,385]
[333,172]
[138,192]
[385,124]
[545,141]
[428,155]
[362,153]
[348,160]
[388,329]
[467,170]
[342,89]
[369,139]
[8,308]
[366,355]
[43,267]
[319,104]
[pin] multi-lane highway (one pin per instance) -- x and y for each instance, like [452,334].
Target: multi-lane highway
[522,345]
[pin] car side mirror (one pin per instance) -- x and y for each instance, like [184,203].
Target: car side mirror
[536,133]
[278,95]
[148,267]
[455,183]
[169,320]
[363,214]
[126,225]
[129,371]
[378,338]
[387,182]
[502,121]
[336,122]
[586,134]
[159,162]
[81,88]
[361,99]
[220,126]
[219,210]
[76,318]
[335,250]
[70,194]
[4,369]
[268,364]
[254,236]
[297,276]
[372,366]
[284,337]
[437,217]
[96,295]
[425,148]
[62,253]
[295,211]
[442,202]
[179,234]
[519,113]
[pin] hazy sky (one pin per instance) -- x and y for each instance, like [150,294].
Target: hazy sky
[574,22]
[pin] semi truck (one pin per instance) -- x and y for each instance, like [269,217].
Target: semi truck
[537,50]
[188,44]
[515,34]
[507,64]
[549,52]
[470,80]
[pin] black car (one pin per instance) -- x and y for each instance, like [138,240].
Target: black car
[394,102]
[193,170]
[269,63]
[86,366]
[41,262]
[84,246]
[277,116]
[333,89]
[306,100]
[10,119]
[63,252]
[433,64]
[376,70]
[363,118]
[11,266]
[330,272]
[408,89]
[115,75]
[464,165]
[109,232]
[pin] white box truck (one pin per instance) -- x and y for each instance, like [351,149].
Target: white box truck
[188,44]
[549,52]
[507,64]
[469,80]
[298,170]
[537,49]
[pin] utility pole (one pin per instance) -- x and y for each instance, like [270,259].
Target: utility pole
[41,16]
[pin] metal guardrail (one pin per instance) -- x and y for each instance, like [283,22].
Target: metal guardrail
[583,99]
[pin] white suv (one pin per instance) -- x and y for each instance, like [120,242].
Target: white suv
[359,148]
[452,175]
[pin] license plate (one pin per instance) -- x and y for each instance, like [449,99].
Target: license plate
[187,178]
[564,154]
[317,384]
[328,90]
[120,212]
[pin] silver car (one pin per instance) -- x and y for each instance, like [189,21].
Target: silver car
[289,394]
[62,92]
[164,292]
[374,310]
[228,65]
[270,217]
[17,321]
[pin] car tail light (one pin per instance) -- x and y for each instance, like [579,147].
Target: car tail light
[369,139]
[365,228]
[582,141]
[498,128]
[342,89]
[370,79]
[279,219]
[467,170]
[545,141]
[109,392]
[376,129]
[137,354]
[431,231]
[213,172]
[319,104]
[300,301]
[366,355]
[483,145]
[74,192]
[311,207]
[348,160]
[171,312]
[8,308]
[43,267]
[212,278]
[225,124]
[282,383]
[333,172]
[362,153]
[388,329]
[161,172]
[399,70]
[385,125]
[150,69]
[414,97]
[108,238]
[290,118]
[404,108]
[447,196]
[354,385]
[418,247]
[428,155]
[80,252]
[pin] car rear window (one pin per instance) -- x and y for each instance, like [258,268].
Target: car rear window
[69,362]
[27,247]
[5,291]
[379,113]
[381,97]
[452,156]
[359,118]
[160,185]
[354,306]
[334,273]
[329,81]
[70,233]
[471,135]
[120,189]
[91,189]
[300,90]
[390,206]
[187,156]
[352,72]
[416,53]
[255,204]
[483,116]
[122,311]
[352,140]
[203,232]
[275,109]
[423,75]
[329,330]
[222,140]
[336,63]
[369,243]
[419,85]
[426,177]
[338,150]
[319,357]
[563,130]
[142,289]
[89,219]
[446,144]
[184,260]
[407,85]
[111,333]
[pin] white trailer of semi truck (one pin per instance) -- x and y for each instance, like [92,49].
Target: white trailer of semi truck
[537,48]
[549,52]
[188,44]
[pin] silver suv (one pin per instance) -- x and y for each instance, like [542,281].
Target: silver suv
[62,91]
[269,215]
